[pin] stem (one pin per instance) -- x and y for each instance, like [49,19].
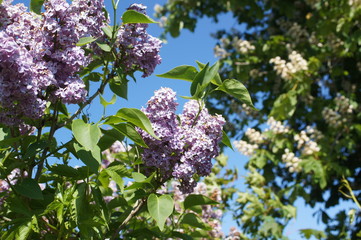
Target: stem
[99,91]
[135,210]
[51,134]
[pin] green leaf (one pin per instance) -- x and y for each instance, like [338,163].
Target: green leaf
[29,188]
[131,16]
[85,40]
[116,178]
[86,134]
[284,106]
[108,30]
[226,141]
[90,158]
[105,47]
[217,78]
[138,118]
[138,177]
[203,78]
[105,103]
[64,170]
[308,233]
[34,148]
[36,5]
[183,72]
[196,199]
[160,208]
[129,131]
[194,221]
[120,88]
[108,138]
[236,89]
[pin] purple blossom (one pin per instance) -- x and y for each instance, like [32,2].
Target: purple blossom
[185,148]
[39,59]
[138,49]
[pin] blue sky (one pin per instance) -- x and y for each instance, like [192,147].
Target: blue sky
[185,50]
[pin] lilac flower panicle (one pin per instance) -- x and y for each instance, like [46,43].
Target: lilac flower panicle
[185,148]
[39,59]
[138,49]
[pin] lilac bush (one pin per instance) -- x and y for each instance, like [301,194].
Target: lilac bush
[186,146]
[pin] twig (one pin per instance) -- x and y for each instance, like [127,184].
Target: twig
[135,210]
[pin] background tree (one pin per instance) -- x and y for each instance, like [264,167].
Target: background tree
[301,62]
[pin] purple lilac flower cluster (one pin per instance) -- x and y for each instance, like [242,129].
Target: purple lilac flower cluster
[187,145]
[139,50]
[13,178]
[39,59]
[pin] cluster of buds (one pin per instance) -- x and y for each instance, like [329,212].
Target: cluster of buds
[293,30]
[245,148]
[292,162]
[305,143]
[254,136]
[277,127]
[340,115]
[332,117]
[343,104]
[242,46]
[287,69]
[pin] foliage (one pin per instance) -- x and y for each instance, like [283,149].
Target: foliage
[52,57]
[301,62]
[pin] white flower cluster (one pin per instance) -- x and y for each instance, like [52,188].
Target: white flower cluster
[242,46]
[297,32]
[293,29]
[277,127]
[343,104]
[245,148]
[292,162]
[332,117]
[339,116]
[254,136]
[306,144]
[287,69]
[220,52]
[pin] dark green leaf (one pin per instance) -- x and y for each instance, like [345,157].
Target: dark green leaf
[236,89]
[194,221]
[226,141]
[36,5]
[183,72]
[195,199]
[90,158]
[308,233]
[129,131]
[120,88]
[64,170]
[108,138]
[138,118]
[131,16]
[29,188]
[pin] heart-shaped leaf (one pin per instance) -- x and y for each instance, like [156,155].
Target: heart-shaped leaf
[86,134]
[160,208]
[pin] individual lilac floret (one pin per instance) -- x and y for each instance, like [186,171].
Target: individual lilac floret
[185,148]
[138,49]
